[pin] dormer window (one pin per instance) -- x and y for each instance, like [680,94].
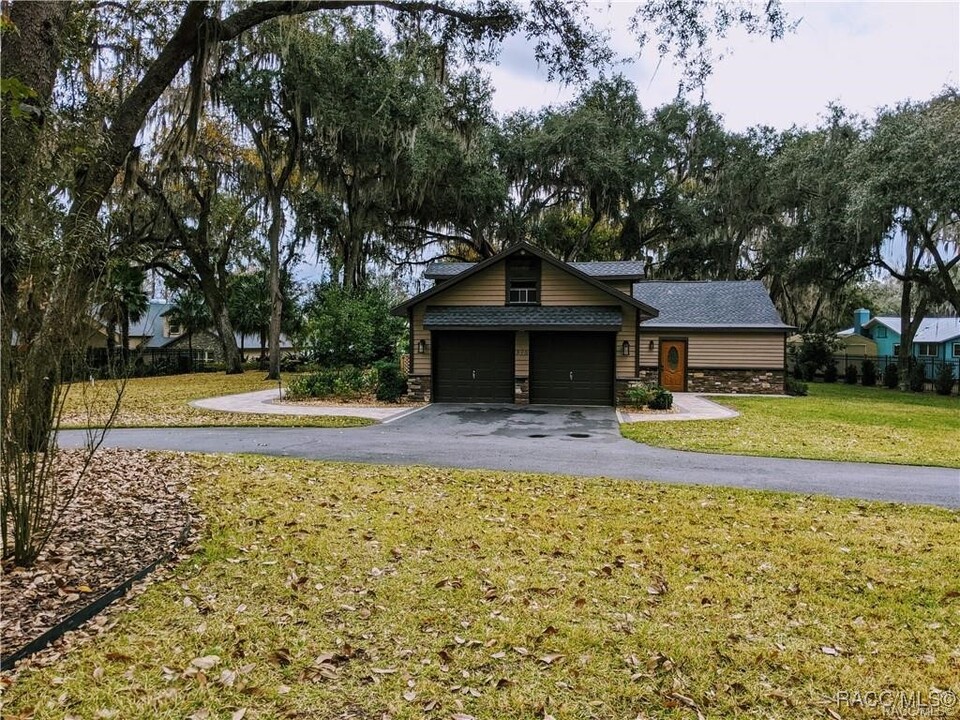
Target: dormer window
[523,280]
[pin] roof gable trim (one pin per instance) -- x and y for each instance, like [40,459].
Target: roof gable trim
[402,308]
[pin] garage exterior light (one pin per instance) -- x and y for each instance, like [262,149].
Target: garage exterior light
[422,346]
[625,348]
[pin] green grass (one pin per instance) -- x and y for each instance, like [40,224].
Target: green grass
[164,402]
[835,422]
[336,591]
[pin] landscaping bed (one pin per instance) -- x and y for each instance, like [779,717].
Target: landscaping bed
[360,591]
[834,422]
[132,508]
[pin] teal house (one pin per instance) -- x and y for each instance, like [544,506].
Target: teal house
[937,340]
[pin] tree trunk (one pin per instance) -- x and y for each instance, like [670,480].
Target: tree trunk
[216,301]
[31,55]
[276,297]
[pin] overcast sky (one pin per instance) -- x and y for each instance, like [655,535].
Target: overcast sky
[862,54]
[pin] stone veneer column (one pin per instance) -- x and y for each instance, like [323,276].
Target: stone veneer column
[521,392]
[418,388]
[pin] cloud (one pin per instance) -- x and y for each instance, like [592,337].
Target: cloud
[862,55]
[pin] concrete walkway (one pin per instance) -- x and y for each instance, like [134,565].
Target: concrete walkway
[686,406]
[266,402]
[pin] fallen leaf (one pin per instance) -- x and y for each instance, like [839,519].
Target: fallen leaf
[206,662]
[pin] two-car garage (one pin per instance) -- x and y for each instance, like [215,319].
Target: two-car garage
[565,368]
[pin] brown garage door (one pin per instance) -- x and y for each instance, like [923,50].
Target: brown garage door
[473,367]
[571,368]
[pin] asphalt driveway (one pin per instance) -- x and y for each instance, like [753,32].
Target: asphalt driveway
[574,441]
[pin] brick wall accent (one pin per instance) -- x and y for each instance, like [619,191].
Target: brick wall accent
[418,388]
[762,380]
[521,393]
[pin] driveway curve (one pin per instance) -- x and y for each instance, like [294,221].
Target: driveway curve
[572,441]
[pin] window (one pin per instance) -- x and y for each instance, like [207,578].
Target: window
[927,349]
[956,350]
[173,329]
[880,332]
[523,280]
[523,292]
[896,349]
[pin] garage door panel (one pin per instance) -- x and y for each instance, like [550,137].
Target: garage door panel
[571,368]
[473,367]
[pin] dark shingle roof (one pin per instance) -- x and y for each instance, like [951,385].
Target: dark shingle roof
[613,269]
[716,304]
[522,316]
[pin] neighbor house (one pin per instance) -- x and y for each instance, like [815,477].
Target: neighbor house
[524,327]
[155,331]
[937,339]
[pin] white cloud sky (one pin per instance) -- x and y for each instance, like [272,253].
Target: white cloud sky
[863,55]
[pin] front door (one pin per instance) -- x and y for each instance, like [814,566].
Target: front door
[673,365]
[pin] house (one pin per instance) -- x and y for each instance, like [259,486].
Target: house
[937,338]
[154,331]
[524,327]
[206,345]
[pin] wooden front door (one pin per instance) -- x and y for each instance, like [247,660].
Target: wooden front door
[673,365]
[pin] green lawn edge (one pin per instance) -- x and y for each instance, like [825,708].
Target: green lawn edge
[835,422]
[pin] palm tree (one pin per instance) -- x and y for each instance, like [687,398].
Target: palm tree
[191,313]
[249,305]
[123,302]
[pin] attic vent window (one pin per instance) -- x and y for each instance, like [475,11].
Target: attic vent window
[523,281]
[523,292]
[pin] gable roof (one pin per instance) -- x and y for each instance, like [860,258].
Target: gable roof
[402,308]
[611,270]
[719,304]
[931,330]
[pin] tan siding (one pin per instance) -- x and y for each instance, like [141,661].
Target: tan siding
[560,288]
[484,288]
[421,362]
[624,286]
[625,364]
[720,350]
[522,367]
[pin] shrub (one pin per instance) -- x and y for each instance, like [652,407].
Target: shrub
[829,372]
[351,327]
[637,396]
[351,382]
[391,381]
[891,376]
[868,373]
[850,375]
[944,381]
[815,352]
[660,399]
[916,376]
[795,387]
[808,371]
[314,385]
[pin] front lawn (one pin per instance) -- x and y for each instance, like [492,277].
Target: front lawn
[353,591]
[164,402]
[835,422]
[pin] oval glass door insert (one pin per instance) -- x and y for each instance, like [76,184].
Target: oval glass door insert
[673,358]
